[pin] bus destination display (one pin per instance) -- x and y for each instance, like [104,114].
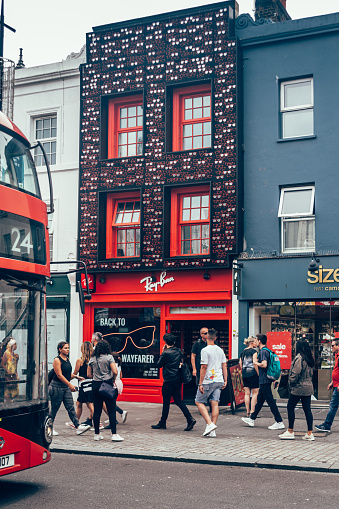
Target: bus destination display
[22,238]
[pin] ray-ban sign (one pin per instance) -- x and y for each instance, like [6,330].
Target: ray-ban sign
[151,286]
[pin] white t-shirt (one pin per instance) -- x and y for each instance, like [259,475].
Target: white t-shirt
[214,357]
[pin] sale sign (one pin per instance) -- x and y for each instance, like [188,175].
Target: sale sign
[281,344]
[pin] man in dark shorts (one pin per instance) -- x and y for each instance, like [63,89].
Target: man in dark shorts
[265,392]
[196,353]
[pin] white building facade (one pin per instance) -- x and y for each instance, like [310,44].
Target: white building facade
[46,108]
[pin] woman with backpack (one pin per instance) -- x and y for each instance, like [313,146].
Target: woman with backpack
[301,388]
[250,373]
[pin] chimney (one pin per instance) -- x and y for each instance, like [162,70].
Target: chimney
[271,9]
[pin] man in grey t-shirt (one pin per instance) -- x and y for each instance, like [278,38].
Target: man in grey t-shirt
[213,378]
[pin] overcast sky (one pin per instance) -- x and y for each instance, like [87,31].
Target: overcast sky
[48,30]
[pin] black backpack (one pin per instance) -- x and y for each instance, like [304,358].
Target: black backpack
[248,368]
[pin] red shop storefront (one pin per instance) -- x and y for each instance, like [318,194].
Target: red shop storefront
[134,310]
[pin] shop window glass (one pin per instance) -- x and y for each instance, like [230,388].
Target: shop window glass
[123,226]
[296,210]
[135,334]
[296,107]
[125,127]
[192,118]
[190,218]
[315,321]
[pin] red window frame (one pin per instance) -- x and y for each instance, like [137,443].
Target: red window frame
[115,107]
[179,121]
[177,221]
[112,227]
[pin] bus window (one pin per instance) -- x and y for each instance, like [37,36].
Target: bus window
[16,165]
[22,373]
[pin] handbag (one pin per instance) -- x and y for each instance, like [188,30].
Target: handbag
[185,373]
[107,390]
[118,385]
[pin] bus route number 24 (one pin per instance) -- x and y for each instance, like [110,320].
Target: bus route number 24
[21,246]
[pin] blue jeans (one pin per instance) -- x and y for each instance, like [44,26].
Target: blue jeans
[334,404]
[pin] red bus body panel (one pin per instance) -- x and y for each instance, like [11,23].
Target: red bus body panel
[27,454]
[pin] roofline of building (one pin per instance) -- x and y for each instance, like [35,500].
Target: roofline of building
[250,32]
[191,11]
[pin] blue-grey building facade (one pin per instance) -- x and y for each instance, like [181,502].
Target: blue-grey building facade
[289,111]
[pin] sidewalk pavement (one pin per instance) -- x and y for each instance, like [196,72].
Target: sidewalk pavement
[236,443]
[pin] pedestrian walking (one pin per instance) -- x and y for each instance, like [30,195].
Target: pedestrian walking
[265,391]
[102,368]
[301,388]
[196,353]
[170,360]
[334,403]
[213,378]
[250,373]
[85,386]
[60,389]
[118,382]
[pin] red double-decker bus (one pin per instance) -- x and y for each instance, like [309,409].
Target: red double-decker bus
[25,428]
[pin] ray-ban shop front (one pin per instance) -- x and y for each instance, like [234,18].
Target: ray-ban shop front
[281,297]
[134,310]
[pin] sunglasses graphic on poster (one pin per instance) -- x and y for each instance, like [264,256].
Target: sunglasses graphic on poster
[134,333]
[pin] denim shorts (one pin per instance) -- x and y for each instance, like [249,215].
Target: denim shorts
[211,392]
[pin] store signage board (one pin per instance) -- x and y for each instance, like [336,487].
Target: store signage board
[199,310]
[281,344]
[237,384]
[152,286]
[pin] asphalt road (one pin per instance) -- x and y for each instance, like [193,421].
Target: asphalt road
[72,481]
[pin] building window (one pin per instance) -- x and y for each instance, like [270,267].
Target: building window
[45,131]
[125,127]
[296,103]
[123,226]
[192,118]
[190,221]
[296,209]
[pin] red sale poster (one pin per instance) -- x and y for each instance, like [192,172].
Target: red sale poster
[281,344]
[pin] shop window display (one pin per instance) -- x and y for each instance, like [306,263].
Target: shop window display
[135,334]
[316,321]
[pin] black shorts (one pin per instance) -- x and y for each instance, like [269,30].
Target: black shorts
[252,382]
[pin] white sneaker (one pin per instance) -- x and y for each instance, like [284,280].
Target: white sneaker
[287,435]
[70,425]
[248,421]
[82,428]
[98,437]
[101,426]
[277,425]
[309,437]
[212,434]
[117,438]
[124,416]
[209,428]
[55,433]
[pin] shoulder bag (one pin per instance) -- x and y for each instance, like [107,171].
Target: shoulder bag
[107,389]
[184,372]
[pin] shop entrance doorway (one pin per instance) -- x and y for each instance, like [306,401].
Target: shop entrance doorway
[188,332]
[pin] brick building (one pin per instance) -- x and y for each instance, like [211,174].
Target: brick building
[158,184]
